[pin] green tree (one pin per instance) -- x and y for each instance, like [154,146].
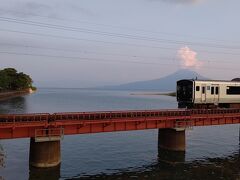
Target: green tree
[4,81]
[22,81]
[11,80]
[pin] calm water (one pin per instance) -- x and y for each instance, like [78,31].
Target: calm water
[212,152]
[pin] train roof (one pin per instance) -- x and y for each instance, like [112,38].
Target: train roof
[204,80]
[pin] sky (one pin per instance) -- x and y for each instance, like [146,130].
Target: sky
[88,43]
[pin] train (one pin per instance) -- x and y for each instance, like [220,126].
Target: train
[207,94]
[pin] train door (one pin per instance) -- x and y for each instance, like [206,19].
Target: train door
[203,92]
[215,92]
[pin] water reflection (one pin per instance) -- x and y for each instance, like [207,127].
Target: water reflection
[13,105]
[171,157]
[44,173]
[2,157]
[211,168]
[2,160]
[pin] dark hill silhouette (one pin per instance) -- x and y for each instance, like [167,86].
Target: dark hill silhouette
[236,79]
[167,83]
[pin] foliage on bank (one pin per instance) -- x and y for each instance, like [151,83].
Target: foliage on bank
[11,80]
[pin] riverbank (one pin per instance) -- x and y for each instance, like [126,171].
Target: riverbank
[11,94]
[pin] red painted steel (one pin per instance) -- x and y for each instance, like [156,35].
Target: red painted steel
[26,125]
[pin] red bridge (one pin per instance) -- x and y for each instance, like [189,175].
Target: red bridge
[46,130]
[32,125]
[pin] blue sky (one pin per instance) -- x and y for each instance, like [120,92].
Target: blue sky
[84,43]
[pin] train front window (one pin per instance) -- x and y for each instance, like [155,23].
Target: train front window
[184,90]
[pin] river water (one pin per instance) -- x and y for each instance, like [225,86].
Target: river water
[212,152]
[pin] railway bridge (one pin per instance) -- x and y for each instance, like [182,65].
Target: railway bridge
[46,130]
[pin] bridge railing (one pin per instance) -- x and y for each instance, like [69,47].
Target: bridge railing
[24,117]
[118,114]
[45,117]
[139,114]
[213,111]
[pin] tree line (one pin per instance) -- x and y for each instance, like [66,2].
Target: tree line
[11,80]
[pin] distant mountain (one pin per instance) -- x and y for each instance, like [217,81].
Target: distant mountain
[167,83]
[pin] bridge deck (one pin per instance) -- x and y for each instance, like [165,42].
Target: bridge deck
[57,124]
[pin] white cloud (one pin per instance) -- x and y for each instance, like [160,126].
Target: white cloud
[189,58]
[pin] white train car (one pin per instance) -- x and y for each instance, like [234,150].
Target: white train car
[208,93]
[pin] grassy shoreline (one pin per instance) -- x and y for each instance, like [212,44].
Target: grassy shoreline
[156,93]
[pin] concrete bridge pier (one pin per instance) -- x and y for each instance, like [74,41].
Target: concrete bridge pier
[171,145]
[44,154]
[172,139]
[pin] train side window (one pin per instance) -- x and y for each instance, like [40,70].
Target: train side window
[197,88]
[217,90]
[212,90]
[203,90]
[233,90]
